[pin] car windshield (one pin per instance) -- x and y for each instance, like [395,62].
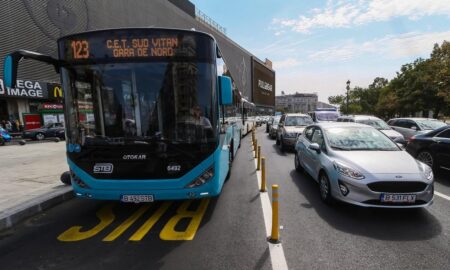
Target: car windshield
[430,124]
[298,121]
[327,116]
[376,123]
[359,139]
[276,120]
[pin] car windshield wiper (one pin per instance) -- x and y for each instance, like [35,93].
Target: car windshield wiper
[341,148]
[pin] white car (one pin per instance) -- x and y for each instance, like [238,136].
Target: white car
[376,123]
[359,165]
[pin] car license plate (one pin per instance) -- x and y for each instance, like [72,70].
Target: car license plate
[398,198]
[136,198]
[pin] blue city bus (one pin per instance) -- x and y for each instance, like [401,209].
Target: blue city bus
[149,115]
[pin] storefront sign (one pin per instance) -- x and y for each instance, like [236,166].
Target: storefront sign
[55,91]
[32,121]
[25,89]
[52,106]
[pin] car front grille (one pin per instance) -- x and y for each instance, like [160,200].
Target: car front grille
[397,187]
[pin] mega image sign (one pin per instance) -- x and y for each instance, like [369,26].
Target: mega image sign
[25,89]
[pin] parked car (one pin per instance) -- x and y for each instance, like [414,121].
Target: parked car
[432,148]
[274,127]
[409,127]
[4,136]
[46,131]
[290,126]
[376,123]
[359,165]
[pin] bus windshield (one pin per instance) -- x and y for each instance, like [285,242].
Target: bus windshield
[136,103]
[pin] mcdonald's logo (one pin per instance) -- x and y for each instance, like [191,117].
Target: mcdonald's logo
[57,91]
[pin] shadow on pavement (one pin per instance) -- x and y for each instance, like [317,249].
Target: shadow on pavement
[443,178]
[378,223]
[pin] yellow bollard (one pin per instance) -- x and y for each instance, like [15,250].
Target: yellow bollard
[258,167]
[275,236]
[263,175]
[256,148]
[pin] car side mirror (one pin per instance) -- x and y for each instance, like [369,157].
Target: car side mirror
[315,147]
[414,128]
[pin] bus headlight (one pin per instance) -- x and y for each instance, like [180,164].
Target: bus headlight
[78,181]
[202,179]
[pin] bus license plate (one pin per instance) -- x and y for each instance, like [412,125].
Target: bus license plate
[398,198]
[136,198]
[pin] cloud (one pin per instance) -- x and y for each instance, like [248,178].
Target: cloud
[411,44]
[285,64]
[341,14]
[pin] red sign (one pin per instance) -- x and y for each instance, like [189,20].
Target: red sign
[32,121]
[52,106]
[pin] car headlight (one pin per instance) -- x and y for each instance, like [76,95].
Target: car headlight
[426,170]
[347,171]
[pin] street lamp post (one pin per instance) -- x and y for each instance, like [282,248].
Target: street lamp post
[348,88]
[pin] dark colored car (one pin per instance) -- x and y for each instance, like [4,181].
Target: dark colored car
[432,148]
[47,131]
[4,136]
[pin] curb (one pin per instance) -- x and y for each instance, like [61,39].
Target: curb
[12,216]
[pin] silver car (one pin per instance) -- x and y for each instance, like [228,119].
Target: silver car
[409,127]
[376,123]
[290,126]
[359,165]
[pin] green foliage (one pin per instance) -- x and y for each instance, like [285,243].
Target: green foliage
[423,85]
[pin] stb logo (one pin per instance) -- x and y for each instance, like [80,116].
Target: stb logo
[57,91]
[103,168]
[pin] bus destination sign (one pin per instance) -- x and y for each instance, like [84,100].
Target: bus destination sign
[128,47]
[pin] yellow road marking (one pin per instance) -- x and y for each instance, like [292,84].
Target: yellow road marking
[127,223]
[169,233]
[106,216]
[146,227]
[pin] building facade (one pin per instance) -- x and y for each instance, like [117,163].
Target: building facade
[36,25]
[296,103]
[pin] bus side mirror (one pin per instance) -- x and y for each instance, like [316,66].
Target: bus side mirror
[10,70]
[226,94]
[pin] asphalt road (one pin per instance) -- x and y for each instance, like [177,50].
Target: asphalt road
[230,234]
[317,236]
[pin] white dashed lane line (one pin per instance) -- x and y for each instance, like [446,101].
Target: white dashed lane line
[442,195]
[276,250]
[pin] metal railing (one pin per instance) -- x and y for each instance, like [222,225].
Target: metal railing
[202,17]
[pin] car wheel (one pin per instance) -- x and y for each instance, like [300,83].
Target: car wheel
[298,166]
[39,136]
[426,157]
[325,188]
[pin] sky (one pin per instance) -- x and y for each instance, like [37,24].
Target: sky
[316,46]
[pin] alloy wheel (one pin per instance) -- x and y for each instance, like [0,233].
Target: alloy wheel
[324,187]
[426,158]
